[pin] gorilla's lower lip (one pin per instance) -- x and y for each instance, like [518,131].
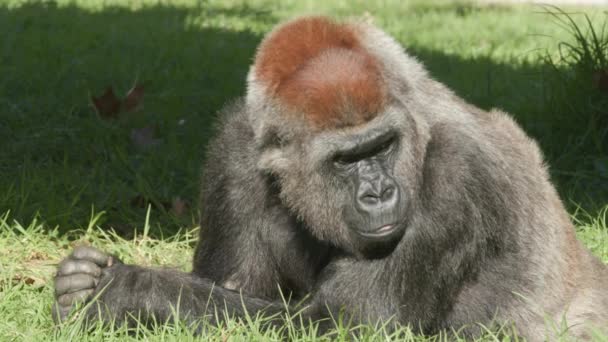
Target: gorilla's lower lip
[380,232]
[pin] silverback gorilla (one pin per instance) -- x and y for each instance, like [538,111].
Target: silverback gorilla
[348,176]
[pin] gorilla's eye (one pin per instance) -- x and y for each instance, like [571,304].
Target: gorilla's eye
[385,146]
[365,151]
[344,160]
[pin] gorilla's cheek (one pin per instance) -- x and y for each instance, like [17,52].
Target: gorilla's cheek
[317,202]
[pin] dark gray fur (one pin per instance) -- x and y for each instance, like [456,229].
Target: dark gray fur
[487,239]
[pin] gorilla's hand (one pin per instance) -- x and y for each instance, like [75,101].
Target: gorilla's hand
[77,277]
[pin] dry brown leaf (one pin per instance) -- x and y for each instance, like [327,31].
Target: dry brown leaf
[143,202]
[133,100]
[601,80]
[18,278]
[107,105]
[179,206]
[37,256]
[139,201]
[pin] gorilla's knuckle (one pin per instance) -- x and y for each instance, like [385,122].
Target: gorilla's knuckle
[92,254]
[72,266]
[60,312]
[74,282]
[70,299]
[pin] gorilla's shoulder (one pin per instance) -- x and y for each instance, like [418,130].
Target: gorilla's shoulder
[233,117]
[502,130]
[231,152]
[232,129]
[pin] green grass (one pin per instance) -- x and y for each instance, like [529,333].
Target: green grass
[59,161]
[31,252]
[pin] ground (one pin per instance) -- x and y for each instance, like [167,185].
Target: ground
[71,174]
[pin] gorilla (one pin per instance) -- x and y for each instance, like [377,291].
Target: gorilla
[348,178]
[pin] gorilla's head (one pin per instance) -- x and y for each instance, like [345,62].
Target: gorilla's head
[352,186]
[333,126]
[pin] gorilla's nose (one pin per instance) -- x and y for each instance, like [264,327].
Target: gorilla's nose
[377,197]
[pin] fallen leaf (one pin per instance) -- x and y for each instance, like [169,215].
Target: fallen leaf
[601,80]
[140,201]
[144,137]
[133,100]
[122,229]
[37,256]
[179,206]
[18,278]
[107,105]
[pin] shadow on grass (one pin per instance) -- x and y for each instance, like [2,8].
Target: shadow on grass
[60,161]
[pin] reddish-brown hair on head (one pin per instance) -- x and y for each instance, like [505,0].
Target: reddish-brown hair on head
[318,67]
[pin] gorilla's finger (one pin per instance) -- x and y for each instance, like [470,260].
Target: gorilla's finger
[73,283]
[72,298]
[71,266]
[60,312]
[91,254]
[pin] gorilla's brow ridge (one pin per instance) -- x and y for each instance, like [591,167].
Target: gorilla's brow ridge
[367,142]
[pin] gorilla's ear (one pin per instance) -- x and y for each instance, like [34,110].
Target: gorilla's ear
[274,160]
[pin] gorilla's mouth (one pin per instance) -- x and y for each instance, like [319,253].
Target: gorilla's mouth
[384,236]
[379,242]
[378,231]
[381,232]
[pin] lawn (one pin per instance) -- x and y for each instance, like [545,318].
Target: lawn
[70,175]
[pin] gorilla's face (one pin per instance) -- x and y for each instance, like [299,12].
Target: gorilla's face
[375,209]
[354,186]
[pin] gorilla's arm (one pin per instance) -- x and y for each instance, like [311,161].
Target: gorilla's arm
[358,291]
[249,248]
[123,291]
[249,243]
[248,240]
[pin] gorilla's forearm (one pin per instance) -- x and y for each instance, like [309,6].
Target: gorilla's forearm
[344,292]
[157,294]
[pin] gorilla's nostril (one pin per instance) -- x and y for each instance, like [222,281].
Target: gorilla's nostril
[388,193]
[369,199]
